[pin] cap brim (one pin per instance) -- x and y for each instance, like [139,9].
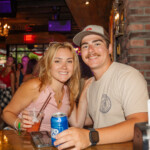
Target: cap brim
[78,37]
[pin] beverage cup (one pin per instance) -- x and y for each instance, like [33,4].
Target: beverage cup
[36,119]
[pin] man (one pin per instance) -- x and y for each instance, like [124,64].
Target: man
[117,97]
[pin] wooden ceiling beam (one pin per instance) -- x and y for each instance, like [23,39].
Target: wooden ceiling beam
[37,13]
[40,11]
[97,12]
[40,21]
[39,3]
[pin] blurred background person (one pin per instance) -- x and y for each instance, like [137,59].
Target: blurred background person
[18,70]
[36,70]
[22,72]
[30,70]
[24,61]
[7,82]
[2,123]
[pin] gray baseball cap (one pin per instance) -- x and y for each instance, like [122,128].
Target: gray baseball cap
[90,29]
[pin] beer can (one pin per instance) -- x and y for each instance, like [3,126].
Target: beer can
[59,122]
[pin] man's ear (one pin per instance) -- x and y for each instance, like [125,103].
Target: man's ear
[110,49]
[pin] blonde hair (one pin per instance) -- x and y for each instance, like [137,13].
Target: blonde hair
[46,62]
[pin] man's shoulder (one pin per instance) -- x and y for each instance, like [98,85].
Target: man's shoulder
[121,65]
[123,68]
[128,74]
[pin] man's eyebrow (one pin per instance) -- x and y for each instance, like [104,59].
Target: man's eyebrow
[99,40]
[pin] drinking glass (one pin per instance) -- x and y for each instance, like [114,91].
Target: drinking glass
[36,118]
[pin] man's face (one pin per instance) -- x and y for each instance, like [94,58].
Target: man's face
[94,51]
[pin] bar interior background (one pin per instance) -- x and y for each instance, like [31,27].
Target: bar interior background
[26,27]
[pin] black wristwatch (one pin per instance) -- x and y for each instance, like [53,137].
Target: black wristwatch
[93,136]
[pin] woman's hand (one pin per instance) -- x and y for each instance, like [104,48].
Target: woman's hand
[85,88]
[26,121]
[78,117]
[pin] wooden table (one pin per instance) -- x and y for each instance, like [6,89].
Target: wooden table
[10,140]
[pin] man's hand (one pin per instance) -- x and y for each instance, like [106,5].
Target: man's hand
[76,138]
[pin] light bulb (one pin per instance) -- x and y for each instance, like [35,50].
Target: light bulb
[87,3]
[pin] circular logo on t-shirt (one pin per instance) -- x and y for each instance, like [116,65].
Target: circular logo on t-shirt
[105,104]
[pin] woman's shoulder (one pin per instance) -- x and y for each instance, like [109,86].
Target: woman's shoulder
[32,83]
[27,77]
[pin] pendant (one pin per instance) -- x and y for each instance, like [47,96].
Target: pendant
[59,101]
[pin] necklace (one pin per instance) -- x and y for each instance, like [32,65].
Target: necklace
[59,103]
[59,98]
[59,94]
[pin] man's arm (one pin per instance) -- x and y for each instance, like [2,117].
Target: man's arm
[123,131]
[120,132]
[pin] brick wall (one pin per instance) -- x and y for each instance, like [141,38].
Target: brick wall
[136,40]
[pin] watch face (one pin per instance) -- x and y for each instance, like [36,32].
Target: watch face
[94,137]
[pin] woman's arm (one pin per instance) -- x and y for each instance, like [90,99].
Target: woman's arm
[23,97]
[79,116]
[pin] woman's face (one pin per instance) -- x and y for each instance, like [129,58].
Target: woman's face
[9,61]
[19,66]
[62,65]
[25,61]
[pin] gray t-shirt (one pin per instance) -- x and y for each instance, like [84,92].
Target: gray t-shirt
[121,91]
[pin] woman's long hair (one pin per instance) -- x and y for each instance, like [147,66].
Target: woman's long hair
[31,66]
[46,62]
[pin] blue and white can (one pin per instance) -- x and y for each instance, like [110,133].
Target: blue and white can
[59,122]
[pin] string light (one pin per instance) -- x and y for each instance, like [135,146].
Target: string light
[87,2]
[5,139]
[4,29]
[117,16]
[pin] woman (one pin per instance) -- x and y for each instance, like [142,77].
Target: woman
[59,75]
[20,74]
[19,68]
[7,83]
[30,70]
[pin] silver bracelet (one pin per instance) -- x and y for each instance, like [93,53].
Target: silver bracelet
[15,123]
